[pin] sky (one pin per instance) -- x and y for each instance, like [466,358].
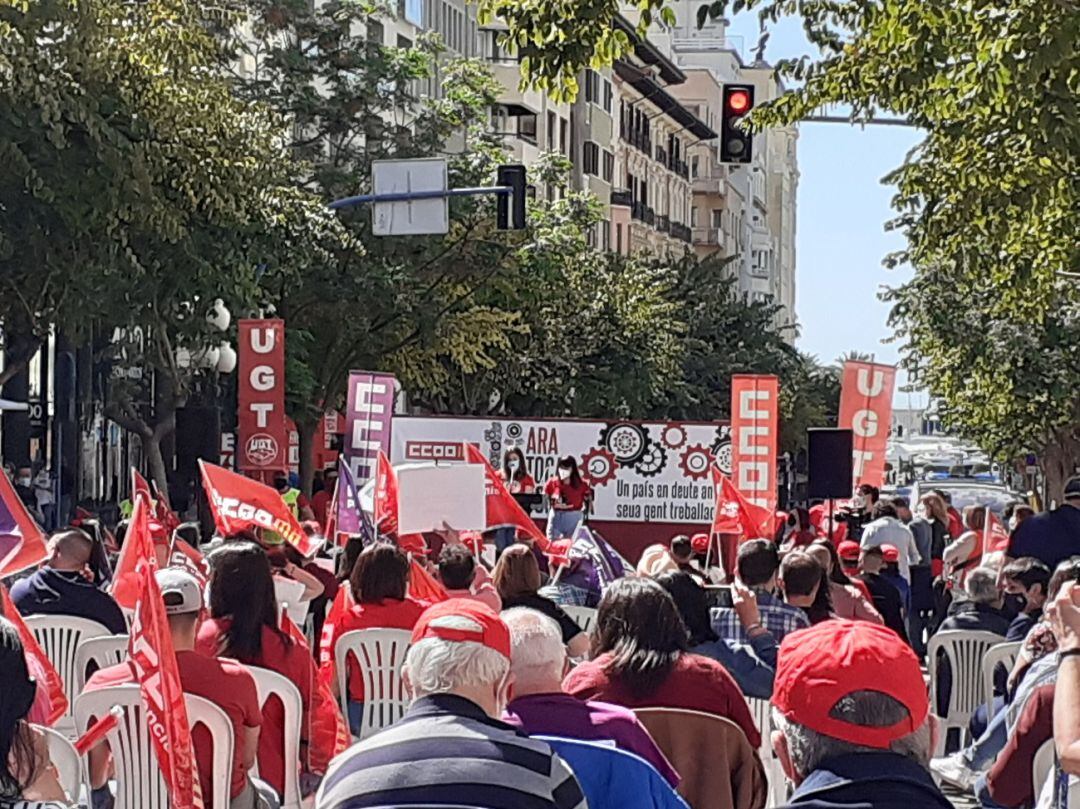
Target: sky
[840,219]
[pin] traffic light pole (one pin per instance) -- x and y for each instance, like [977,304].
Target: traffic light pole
[408,196]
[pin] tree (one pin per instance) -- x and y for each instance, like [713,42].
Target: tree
[136,190]
[989,202]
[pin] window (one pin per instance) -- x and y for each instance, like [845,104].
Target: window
[607,96]
[375,33]
[609,165]
[551,131]
[404,42]
[592,87]
[717,218]
[694,167]
[694,217]
[605,234]
[564,143]
[618,237]
[591,163]
[527,128]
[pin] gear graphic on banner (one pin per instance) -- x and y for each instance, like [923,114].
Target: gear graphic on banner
[695,462]
[627,442]
[652,462]
[673,436]
[598,467]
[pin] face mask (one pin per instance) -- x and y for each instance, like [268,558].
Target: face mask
[858,501]
[564,474]
[24,481]
[513,466]
[922,512]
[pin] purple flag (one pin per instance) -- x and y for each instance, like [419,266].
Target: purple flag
[11,538]
[368,417]
[351,518]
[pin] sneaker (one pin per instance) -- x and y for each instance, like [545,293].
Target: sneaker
[954,770]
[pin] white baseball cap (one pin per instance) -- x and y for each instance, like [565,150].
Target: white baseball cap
[179,590]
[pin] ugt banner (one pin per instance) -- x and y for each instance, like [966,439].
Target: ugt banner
[368,416]
[262,444]
[866,394]
[755,418]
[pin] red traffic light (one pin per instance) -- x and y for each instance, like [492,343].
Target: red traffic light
[739,101]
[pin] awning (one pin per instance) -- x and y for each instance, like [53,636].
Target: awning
[663,100]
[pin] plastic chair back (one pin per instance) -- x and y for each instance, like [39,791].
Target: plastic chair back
[271,684]
[1042,766]
[964,652]
[67,761]
[139,783]
[1004,653]
[585,617]
[761,710]
[103,651]
[59,637]
[380,654]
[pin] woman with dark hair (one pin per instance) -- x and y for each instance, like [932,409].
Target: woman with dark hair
[752,665]
[28,777]
[642,658]
[517,578]
[244,625]
[379,584]
[569,496]
[518,481]
[848,599]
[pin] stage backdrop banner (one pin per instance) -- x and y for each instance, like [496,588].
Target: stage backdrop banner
[640,471]
[428,496]
[369,416]
[866,394]
[755,422]
[263,439]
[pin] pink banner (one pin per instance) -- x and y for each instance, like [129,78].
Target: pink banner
[368,418]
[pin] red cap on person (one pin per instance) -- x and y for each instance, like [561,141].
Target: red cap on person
[819,666]
[699,543]
[890,553]
[848,550]
[493,633]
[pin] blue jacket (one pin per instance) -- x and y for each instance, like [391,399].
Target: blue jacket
[752,665]
[868,781]
[615,779]
[60,592]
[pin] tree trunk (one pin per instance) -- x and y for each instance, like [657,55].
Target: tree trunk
[1059,461]
[306,430]
[155,462]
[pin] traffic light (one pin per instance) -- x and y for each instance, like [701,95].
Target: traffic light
[511,210]
[736,143]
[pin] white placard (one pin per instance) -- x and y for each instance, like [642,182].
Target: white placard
[410,217]
[428,496]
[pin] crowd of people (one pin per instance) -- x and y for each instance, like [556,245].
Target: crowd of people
[513,704]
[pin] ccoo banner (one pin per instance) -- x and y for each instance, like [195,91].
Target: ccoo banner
[755,415]
[866,394]
[262,443]
[368,417]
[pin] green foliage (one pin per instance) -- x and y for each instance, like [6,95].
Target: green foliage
[989,202]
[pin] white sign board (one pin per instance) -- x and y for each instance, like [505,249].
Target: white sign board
[639,471]
[410,217]
[432,495]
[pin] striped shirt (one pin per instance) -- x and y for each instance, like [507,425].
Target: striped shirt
[447,752]
[777,616]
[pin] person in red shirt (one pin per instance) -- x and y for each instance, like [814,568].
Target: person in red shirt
[320,501]
[226,683]
[518,481]
[379,582]
[642,659]
[569,496]
[243,625]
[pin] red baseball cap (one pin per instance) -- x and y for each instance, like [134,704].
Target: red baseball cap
[819,666]
[848,549]
[493,633]
[699,543]
[890,553]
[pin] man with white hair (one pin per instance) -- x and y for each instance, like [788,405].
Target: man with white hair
[450,750]
[540,706]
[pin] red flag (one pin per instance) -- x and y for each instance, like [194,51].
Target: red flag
[995,538]
[423,587]
[39,664]
[154,661]
[240,504]
[139,486]
[386,496]
[327,733]
[502,508]
[190,559]
[22,544]
[338,609]
[735,514]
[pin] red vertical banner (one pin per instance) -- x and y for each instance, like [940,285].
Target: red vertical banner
[866,395]
[263,440]
[755,424]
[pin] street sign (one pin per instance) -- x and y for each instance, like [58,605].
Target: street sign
[410,217]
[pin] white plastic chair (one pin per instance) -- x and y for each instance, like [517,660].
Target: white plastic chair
[103,651]
[62,753]
[1005,653]
[585,617]
[965,652]
[271,684]
[59,637]
[139,784]
[1042,766]
[380,654]
[761,710]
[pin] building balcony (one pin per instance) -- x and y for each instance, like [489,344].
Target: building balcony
[648,216]
[663,224]
[637,211]
[639,139]
[710,183]
[707,236]
[681,232]
[662,156]
[511,97]
[622,196]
